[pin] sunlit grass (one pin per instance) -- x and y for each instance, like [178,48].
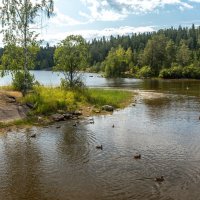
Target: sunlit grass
[47,100]
[116,98]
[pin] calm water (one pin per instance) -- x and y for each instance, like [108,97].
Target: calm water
[63,164]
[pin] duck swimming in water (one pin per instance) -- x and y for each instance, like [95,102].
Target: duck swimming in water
[137,156]
[159,179]
[99,147]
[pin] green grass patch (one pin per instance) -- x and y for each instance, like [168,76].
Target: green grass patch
[47,100]
[116,98]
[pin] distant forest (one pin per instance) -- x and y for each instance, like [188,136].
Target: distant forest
[168,53]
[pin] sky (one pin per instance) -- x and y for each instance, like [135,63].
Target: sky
[97,18]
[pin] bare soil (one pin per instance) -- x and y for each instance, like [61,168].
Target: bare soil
[10,108]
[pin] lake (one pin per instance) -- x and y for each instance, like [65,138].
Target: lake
[62,164]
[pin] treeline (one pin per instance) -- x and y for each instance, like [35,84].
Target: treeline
[168,53]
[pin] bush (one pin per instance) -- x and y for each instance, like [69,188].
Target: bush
[144,72]
[78,84]
[18,81]
[190,71]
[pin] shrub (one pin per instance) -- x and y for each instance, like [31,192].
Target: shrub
[18,81]
[144,72]
[190,71]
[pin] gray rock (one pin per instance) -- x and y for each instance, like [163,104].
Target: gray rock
[108,108]
[10,99]
[77,113]
[67,115]
[58,117]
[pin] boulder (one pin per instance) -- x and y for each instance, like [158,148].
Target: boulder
[67,115]
[77,113]
[108,108]
[58,117]
[10,99]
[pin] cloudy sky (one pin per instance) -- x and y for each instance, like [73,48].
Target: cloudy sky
[95,18]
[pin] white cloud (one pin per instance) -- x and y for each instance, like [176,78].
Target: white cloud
[61,19]
[109,10]
[90,34]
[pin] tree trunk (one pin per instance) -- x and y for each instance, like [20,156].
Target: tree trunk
[25,49]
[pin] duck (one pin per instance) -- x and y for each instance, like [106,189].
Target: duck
[99,147]
[159,179]
[33,135]
[137,156]
[113,126]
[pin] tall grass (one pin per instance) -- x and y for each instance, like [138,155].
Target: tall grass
[116,98]
[48,100]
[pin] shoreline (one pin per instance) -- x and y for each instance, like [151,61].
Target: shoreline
[82,110]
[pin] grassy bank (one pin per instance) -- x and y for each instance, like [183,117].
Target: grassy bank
[47,100]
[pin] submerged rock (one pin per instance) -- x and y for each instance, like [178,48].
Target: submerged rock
[108,108]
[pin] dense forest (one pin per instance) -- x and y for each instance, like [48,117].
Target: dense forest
[168,53]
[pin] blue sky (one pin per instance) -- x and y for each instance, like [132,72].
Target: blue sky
[95,18]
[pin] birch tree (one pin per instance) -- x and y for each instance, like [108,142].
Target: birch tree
[19,20]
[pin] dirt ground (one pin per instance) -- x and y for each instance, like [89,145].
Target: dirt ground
[10,109]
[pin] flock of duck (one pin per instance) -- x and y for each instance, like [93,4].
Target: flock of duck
[100,147]
[137,157]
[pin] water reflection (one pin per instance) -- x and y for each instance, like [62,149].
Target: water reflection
[64,163]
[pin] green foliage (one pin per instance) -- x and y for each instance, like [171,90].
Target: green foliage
[13,57]
[162,49]
[190,71]
[183,54]
[155,52]
[70,57]
[144,72]
[117,62]
[45,58]
[49,100]
[18,81]
[20,39]
[174,72]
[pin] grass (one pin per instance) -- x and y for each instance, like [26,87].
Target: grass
[47,100]
[116,98]
[50,100]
